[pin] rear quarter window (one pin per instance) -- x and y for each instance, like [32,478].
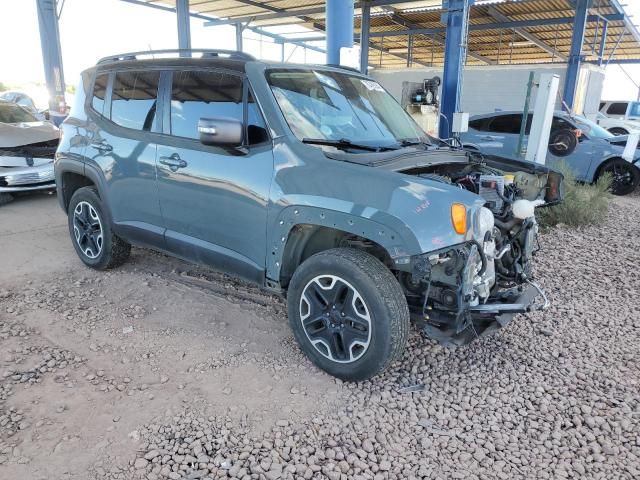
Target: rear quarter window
[99,92]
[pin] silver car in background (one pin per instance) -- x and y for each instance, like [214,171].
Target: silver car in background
[27,148]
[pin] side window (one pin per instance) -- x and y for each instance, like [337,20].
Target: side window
[481,124]
[133,99]
[617,108]
[506,124]
[196,95]
[99,93]
[560,123]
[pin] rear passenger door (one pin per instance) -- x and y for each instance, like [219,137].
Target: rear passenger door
[500,135]
[214,199]
[122,146]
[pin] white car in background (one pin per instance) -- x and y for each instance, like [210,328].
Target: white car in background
[627,111]
[27,148]
[617,126]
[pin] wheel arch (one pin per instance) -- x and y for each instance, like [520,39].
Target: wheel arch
[302,231]
[70,176]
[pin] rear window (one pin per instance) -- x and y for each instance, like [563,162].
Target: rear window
[134,99]
[617,108]
[99,93]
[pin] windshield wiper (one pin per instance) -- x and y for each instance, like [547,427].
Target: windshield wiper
[346,143]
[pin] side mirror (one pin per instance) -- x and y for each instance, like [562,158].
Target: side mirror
[220,131]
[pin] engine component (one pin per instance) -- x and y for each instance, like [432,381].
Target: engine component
[523,209]
[491,188]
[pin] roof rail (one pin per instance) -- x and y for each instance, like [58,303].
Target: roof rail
[185,52]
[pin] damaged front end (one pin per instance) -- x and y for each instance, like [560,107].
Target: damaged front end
[27,167]
[461,292]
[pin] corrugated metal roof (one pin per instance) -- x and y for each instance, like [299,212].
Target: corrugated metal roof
[551,40]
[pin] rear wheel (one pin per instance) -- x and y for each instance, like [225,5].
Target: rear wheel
[91,233]
[624,176]
[618,131]
[348,313]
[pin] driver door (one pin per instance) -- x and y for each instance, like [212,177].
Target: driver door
[214,199]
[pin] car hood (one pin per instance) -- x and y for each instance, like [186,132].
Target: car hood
[18,134]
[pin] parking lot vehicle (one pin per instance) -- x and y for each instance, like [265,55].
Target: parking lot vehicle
[617,126]
[27,148]
[598,151]
[310,181]
[25,101]
[622,109]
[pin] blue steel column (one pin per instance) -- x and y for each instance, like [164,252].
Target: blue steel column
[453,63]
[184,27]
[51,56]
[575,54]
[365,26]
[603,43]
[339,28]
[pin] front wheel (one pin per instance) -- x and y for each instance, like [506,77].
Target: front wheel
[348,313]
[624,176]
[91,233]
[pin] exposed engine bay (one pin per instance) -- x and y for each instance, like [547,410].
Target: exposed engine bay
[460,291]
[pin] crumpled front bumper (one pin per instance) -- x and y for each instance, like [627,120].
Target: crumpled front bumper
[487,318]
[26,178]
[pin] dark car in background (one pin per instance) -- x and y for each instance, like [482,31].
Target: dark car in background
[597,152]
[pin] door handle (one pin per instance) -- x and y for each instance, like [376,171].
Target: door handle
[174,162]
[488,137]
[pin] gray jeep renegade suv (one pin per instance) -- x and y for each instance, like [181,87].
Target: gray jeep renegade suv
[310,181]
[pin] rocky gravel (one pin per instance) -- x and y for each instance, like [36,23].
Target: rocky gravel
[213,386]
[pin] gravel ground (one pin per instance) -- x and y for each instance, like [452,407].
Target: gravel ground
[165,370]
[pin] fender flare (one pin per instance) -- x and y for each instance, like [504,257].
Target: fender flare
[397,240]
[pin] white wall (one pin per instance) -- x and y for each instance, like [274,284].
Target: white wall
[490,88]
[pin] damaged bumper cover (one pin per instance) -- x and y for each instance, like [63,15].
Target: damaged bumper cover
[459,299]
[19,174]
[486,318]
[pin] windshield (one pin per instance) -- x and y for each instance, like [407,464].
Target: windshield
[634,110]
[10,113]
[335,106]
[590,128]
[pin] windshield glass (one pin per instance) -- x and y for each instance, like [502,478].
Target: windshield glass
[634,110]
[336,106]
[591,129]
[10,113]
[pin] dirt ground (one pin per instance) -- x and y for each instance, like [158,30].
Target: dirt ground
[100,373]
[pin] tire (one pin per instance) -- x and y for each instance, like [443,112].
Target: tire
[360,297]
[625,176]
[5,198]
[618,131]
[96,244]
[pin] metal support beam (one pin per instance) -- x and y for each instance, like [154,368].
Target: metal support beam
[603,42]
[500,25]
[409,51]
[493,12]
[365,26]
[339,28]
[575,54]
[208,19]
[239,30]
[184,28]
[52,56]
[453,62]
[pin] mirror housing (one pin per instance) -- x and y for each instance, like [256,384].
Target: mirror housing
[220,131]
